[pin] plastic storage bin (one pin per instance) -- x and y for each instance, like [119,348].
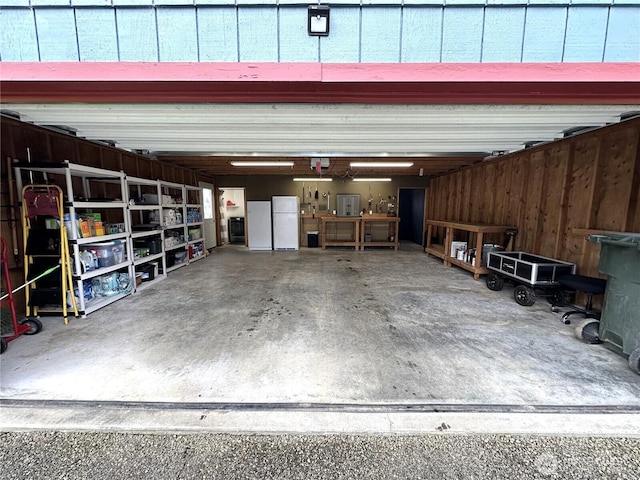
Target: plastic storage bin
[620,319]
[181,257]
[108,253]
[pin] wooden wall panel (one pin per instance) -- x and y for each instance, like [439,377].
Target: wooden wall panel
[633,220]
[476,204]
[613,187]
[90,152]
[515,207]
[500,192]
[62,148]
[111,159]
[467,188]
[552,199]
[533,192]
[488,212]
[553,193]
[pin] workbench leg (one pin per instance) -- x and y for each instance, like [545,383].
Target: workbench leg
[448,238]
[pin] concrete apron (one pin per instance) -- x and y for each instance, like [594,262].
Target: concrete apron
[149,418]
[318,342]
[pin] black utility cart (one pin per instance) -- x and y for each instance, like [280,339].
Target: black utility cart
[531,275]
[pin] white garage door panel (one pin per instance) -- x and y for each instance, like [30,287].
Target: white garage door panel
[309,129]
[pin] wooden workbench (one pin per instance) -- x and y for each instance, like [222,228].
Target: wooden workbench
[392,224]
[444,250]
[353,242]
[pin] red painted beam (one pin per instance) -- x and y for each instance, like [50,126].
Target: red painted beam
[468,83]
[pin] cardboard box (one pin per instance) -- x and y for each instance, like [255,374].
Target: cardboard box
[84,229]
[99,228]
[92,226]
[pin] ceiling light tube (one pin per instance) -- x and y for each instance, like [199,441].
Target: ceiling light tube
[264,163]
[324,179]
[381,179]
[381,164]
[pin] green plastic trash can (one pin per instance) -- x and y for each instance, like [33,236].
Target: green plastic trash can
[620,320]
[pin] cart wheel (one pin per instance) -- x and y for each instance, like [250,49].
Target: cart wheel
[495,282]
[35,326]
[556,298]
[3,345]
[587,331]
[634,360]
[524,295]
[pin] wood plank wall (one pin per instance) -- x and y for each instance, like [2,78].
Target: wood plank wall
[552,193]
[50,145]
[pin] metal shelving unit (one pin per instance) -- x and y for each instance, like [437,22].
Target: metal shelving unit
[91,192]
[174,225]
[195,223]
[147,235]
[133,212]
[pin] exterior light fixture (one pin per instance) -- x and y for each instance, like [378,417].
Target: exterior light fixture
[258,163]
[318,23]
[313,179]
[381,179]
[381,164]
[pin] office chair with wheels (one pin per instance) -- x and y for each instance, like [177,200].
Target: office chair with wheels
[581,283]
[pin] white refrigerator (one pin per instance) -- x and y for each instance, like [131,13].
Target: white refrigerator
[259,225]
[285,223]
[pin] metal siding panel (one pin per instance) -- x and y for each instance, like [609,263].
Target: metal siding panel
[550,2]
[258,34]
[623,41]
[91,3]
[503,32]
[462,34]
[18,39]
[133,3]
[177,34]
[218,34]
[586,33]
[507,2]
[421,34]
[380,37]
[593,2]
[382,2]
[50,3]
[137,36]
[425,2]
[173,2]
[465,2]
[270,3]
[544,34]
[343,43]
[214,2]
[295,43]
[14,3]
[56,34]
[97,38]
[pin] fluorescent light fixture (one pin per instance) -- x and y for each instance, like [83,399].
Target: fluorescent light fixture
[381,164]
[313,179]
[263,163]
[381,179]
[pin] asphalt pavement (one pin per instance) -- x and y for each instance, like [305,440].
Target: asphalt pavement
[75,455]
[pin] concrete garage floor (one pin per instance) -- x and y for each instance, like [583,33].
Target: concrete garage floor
[334,326]
[414,370]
